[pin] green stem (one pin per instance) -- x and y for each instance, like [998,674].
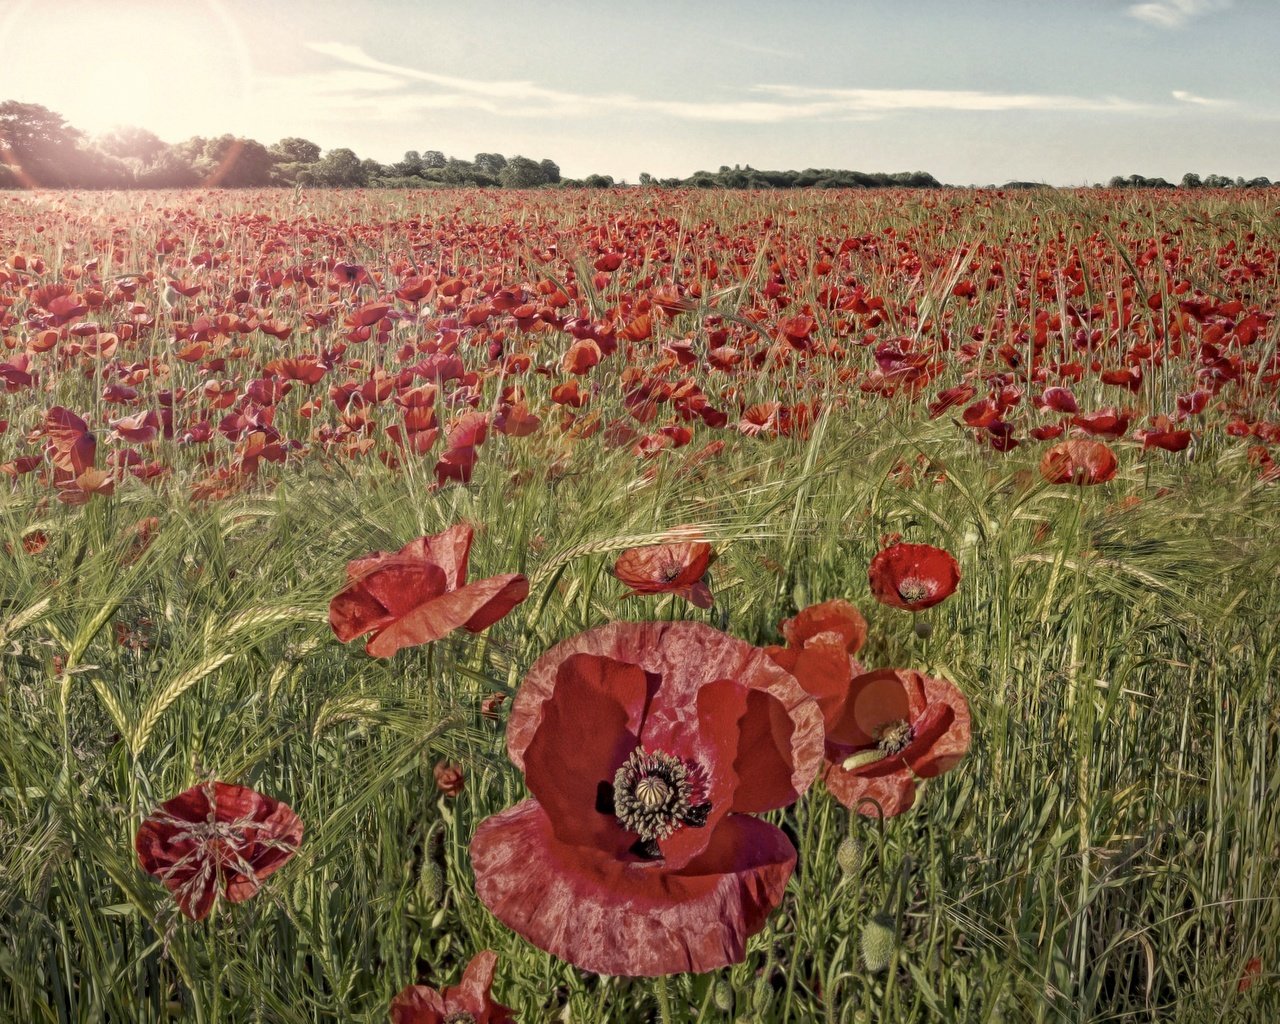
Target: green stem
[664,1001]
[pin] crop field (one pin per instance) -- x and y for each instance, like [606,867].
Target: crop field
[831,606]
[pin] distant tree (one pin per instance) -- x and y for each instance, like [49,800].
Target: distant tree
[1192,180]
[598,181]
[490,163]
[295,151]
[39,146]
[168,170]
[521,172]
[550,171]
[235,163]
[371,169]
[433,158]
[1217,181]
[646,178]
[410,166]
[133,143]
[340,168]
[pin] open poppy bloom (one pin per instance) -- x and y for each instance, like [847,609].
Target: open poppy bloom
[896,725]
[419,594]
[677,568]
[648,746]
[913,576]
[1078,462]
[215,840]
[467,1001]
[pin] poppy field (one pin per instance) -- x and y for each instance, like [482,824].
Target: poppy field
[618,605]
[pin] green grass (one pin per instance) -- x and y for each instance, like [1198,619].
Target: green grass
[1108,851]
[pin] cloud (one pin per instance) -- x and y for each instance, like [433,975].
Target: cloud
[379,90]
[1175,13]
[1182,96]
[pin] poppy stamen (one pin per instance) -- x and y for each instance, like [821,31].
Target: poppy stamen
[894,737]
[460,1017]
[914,589]
[654,794]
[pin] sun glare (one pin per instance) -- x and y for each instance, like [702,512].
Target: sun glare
[175,69]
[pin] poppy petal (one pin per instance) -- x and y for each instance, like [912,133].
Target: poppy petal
[567,900]
[483,602]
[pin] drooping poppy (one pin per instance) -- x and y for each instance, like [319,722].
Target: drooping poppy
[648,747]
[1078,462]
[467,1001]
[913,576]
[679,568]
[216,840]
[896,725]
[72,444]
[419,593]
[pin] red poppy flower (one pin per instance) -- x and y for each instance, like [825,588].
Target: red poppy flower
[215,840]
[71,442]
[1078,462]
[896,726]
[676,568]
[913,576]
[468,1001]
[648,746]
[821,643]
[419,593]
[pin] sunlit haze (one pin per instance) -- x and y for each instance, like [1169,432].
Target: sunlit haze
[974,93]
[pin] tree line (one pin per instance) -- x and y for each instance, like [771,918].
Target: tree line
[39,148]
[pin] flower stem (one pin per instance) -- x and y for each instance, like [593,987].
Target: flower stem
[664,1001]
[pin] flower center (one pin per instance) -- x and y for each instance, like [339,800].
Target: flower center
[670,571]
[460,1017]
[893,737]
[653,795]
[913,589]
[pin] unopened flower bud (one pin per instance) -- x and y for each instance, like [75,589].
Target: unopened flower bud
[849,856]
[879,941]
[924,629]
[722,995]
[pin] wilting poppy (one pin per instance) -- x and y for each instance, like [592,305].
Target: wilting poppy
[420,593]
[896,725]
[675,568]
[467,1001]
[215,840]
[1078,462]
[71,442]
[913,576]
[648,746]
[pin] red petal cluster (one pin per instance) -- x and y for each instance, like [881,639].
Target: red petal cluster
[897,725]
[913,576]
[215,840]
[675,568]
[562,870]
[419,593]
[884,728]
[469,1000]
[1078,462]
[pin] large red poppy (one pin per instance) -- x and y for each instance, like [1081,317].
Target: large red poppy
[1078,462]
[896,726]
[913,576]
[215,840]
[676,568]
[420,593]
[467,1001]
[648,746]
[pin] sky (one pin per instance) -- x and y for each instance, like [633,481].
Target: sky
[979,92]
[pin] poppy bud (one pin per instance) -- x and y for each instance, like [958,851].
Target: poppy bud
[879,941]
[849,856]
[722,995]
[431,878]
[924,629]
[800,594]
